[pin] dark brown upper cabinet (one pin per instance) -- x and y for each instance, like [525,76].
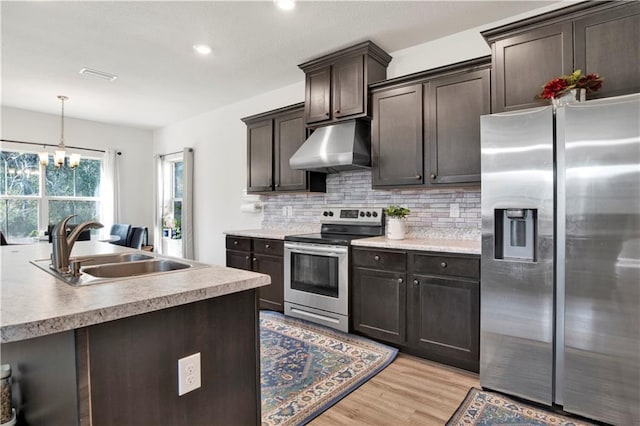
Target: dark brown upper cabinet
[259,156]
[336,84]
[608,43]
[318,95]
[272,138]
[425,129]
[396,137]
[523,63]
[595,37]
[455,105]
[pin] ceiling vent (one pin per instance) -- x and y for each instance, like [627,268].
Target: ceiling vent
[99,74]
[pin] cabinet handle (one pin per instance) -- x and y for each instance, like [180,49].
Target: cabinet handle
[235,242]
[255,259]
[433,176]
[267,246]
[337,111]
[277,185]
[326,114]
[376,257]
[400,280]
[416,282]
[418,177]
[443,264]
[247,257]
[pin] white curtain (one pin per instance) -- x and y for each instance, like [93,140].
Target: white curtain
[111,197]
[187,205]
[159,201]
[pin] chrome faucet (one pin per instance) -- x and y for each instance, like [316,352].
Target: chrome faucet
[62,244]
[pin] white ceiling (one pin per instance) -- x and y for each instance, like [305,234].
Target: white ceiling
[161,80]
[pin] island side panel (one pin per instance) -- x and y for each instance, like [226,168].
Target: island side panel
[133,365]
[43,372]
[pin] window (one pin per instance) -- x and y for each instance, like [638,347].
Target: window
[172,207]
[171,182]
[33,196]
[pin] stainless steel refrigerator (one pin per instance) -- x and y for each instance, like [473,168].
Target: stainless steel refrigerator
[560,276]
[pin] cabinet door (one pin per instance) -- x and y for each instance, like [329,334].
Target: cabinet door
[396,137]
[289,136]
[455,106]
[523,63]
[271,296]
[260,156]
[348,87]
[379,304]
[444,320]
[317,105]
[608,43]
[239,259]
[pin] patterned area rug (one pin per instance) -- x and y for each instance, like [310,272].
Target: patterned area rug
[306,368]
[487,408]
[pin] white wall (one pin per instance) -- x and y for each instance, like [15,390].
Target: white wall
[136,161]
[219,138]
[219,141]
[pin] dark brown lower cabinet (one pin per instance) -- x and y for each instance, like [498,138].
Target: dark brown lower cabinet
[264,256]
[133,365]
[445,320]
[271,296]
[378,304]
[125,372]
[427,304]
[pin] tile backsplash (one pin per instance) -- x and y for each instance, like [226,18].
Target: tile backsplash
[431,209]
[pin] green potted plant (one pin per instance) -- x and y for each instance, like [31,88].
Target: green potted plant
[396,228]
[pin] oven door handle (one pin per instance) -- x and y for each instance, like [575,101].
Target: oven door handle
[326,252]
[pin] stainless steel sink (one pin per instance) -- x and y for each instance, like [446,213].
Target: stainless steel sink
[120,270]
[111,267]
[112,258]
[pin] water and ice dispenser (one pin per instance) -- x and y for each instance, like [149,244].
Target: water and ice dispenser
[515,234]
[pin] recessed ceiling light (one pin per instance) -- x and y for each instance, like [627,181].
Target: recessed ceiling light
[100,74]
[285,4]
[202,49]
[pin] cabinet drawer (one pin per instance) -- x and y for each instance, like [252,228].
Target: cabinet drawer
[468,267]
[380,259]
[272,247]
[238,243]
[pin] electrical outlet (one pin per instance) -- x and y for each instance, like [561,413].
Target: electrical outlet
[454,210]
[189,374]
[290,211]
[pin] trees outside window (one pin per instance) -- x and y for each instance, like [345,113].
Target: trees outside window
[33,196]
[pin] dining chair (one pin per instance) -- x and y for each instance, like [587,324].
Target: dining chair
[137,238]
[122,230]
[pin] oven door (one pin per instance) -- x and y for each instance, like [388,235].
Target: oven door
[317,276]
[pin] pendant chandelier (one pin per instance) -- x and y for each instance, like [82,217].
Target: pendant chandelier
[60,152]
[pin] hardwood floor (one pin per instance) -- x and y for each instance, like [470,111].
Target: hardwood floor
[410,391]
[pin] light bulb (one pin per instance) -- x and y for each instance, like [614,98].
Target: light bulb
[58,158]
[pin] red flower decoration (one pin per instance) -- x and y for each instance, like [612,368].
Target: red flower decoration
[561,85]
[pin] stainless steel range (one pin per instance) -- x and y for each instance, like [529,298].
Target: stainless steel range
[316,266]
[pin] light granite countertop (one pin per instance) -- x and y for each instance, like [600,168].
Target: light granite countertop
[35,303]
[274,234]
[422,244]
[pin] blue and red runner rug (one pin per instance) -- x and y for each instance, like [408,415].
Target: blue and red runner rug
[306,368]
[482,408]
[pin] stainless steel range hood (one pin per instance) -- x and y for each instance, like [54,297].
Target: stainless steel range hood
[335,148]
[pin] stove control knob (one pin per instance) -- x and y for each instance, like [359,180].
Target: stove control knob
[375,214]
[325,214]
[368,214]
[361,214]
[330,213]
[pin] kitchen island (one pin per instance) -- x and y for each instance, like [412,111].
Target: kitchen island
[108,353]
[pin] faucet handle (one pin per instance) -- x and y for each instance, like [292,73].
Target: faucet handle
[75,264]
